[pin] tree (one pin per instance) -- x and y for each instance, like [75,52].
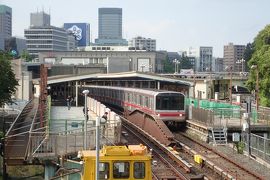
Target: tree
[261,58]
[168,66]
[249,50]
[185,63]
[8,82]
[25,55]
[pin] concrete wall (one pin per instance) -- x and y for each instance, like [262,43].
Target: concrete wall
[155,58]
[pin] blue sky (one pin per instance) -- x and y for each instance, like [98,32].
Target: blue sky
[175,24]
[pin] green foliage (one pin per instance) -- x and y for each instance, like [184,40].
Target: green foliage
[249,50]
[261,58]
[168,66]
[240,147]
[8,82]
[185,63]
[26,56]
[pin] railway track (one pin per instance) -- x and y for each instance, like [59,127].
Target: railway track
[224,166]
[215,166]
[163,166]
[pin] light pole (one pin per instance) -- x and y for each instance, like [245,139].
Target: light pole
[241,61]
[257,86]
[98,122]
[85,92]
[176,62]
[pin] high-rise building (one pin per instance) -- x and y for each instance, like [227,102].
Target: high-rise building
[233,56]
[110,27]
[49,38]
[5,24]
[81,32]
[41,36]
[147,44]
[206,59]
[219,65]
[15,44]
[40,19]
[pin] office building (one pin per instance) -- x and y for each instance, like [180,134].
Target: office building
[206,59]
[110,27]
[41,36]
[5,24]
[233,56]
[15,44]
[40,19]
[81,32]
[48,38]
[219,65]
[147,44]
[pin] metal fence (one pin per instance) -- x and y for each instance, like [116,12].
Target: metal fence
[69,141]
[223,117]
[260,146]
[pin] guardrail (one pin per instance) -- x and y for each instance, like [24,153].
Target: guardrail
[260,146]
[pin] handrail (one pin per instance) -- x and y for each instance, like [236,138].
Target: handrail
[30,134]
[11,126]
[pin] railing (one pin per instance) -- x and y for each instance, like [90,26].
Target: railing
[65,142]
[220,117]
[260,146]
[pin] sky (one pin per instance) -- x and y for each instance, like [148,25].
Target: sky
[175,24]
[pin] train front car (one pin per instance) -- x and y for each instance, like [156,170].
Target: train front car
[170,107]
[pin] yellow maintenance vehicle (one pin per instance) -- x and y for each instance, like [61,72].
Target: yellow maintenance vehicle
[118,162]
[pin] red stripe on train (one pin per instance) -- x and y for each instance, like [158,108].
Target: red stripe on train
[170,114]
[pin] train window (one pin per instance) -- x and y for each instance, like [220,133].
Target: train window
[170,101]
[146,102]
[151,103]
[139,170]
[140,100]
[104,171]
[121,170]
[129,97]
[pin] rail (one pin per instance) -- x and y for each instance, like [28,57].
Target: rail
[13,123]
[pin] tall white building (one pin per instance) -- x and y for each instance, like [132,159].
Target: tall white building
[147,44]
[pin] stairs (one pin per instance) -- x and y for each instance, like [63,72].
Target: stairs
[219,135]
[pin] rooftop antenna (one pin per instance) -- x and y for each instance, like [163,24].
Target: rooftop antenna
[37,9]
[42,8]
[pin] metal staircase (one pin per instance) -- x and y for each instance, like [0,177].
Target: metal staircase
[219,135]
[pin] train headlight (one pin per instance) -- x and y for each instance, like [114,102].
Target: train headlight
[180,115]
[158,114]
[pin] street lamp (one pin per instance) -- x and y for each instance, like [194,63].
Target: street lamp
[257,86]
[241,61]
[176,63]
[229,68]
[85,92]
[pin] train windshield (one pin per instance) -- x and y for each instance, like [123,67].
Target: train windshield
[170,101]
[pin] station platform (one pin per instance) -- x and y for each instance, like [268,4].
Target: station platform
[67,128]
